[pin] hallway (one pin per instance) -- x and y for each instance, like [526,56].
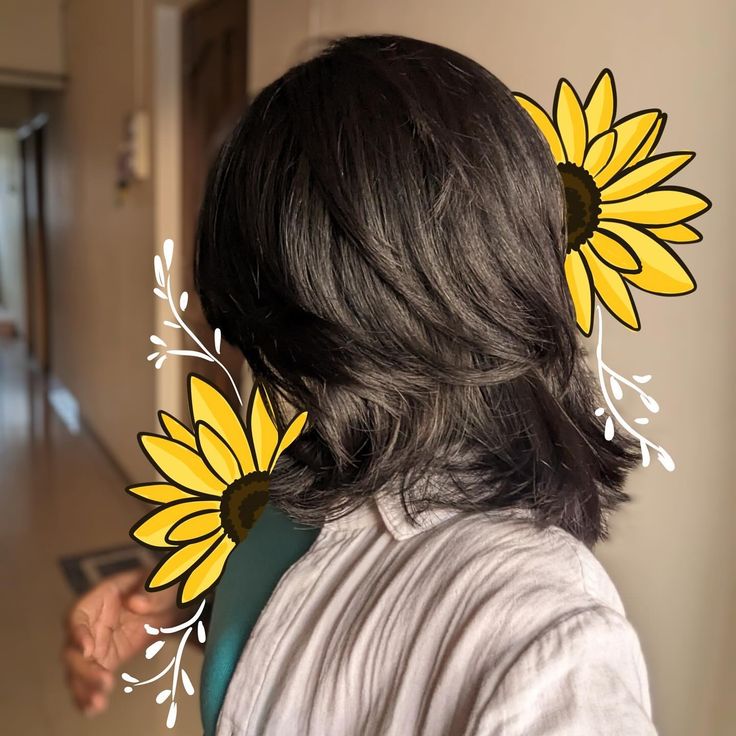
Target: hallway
[61,499]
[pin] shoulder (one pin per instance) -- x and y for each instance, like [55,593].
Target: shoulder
[549,626]
[584,674]
[514,579]
[507,548]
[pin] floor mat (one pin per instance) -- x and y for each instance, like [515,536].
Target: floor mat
[85,570]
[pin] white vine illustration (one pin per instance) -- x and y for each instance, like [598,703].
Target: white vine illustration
[610,378]
[162,270]
[169,693]
[177,306]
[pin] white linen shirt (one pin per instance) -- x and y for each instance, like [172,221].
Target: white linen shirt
[474,623]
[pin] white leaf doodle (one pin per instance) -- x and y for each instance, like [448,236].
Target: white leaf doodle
[158,268]
[618,392]
[171,718]
[174,663]
[187,682]
[609,431]
[609,377]
[153,649]
[642,379]
[177,305]
[168,252]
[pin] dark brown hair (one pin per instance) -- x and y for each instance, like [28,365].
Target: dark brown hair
[383,236]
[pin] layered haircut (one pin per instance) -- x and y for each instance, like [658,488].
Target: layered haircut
[383,237]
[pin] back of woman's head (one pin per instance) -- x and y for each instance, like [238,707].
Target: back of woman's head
[383,237]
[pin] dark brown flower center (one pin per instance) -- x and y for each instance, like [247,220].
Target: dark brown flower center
[583,204]
[242,503]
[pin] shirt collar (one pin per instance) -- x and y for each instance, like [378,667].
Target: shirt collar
[385,510]
[398,522]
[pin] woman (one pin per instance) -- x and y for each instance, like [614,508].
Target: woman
[383,236]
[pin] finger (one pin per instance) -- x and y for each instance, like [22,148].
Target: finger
[80,634]
[150,602]
[143,601]
[87,672]
[98,703]
[79,629]
[89,701]
[80,693]
[129,581]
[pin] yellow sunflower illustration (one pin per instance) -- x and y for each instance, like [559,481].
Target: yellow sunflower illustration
[217,484]
[619,217]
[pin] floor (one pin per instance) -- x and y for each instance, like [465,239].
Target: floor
[60,498]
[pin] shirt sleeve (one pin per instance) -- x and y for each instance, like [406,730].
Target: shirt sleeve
[584,674]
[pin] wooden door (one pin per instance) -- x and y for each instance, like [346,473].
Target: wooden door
[36,264]
[214,96]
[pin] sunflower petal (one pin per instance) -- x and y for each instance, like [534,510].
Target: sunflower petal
[650,142]
[159,492]
[292,432]
[680,233]
[600,106]
[545,125]
[263,431]
[663,206]
[612,290]
[176,430]
[581,289]
[207,571]
[644,176]
[614,251]
[631,132]
[152,529]
[662,272]
[570,122]
[217,453]
[194,527]
[600,152]
[210,406]
[181,465]
[177,563]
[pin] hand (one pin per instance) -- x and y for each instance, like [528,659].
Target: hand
[105,629]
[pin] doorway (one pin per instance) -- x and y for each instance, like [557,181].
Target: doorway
[12,246]
[32,137]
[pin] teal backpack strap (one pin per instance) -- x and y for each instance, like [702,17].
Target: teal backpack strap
[251,574]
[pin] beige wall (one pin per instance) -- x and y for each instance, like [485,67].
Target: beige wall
[15,106]
[101,250]
[672,550]
[30,39]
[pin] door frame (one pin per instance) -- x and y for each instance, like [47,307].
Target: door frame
[35,256]
[167,181]
[170,169]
